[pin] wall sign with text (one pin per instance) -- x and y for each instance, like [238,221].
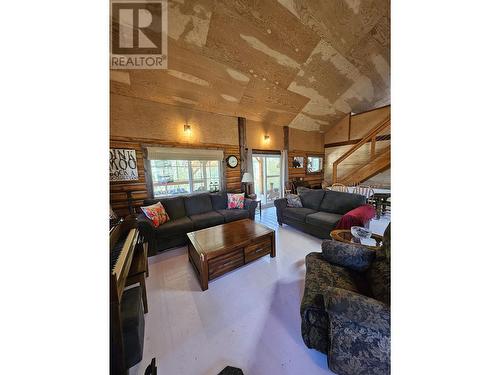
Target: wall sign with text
[122,165]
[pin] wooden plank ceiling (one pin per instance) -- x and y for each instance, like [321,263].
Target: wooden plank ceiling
[302,63]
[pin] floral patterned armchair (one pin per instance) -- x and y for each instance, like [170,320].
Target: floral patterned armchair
[345,309]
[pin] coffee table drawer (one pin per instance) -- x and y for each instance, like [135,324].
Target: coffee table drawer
[225,263]
[258,249]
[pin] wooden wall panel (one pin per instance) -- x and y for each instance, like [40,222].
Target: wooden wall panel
[339,132]
[306,140]
[139,118]
[118,189]
[256,132]
[357,126]
[139,190]
[362,123]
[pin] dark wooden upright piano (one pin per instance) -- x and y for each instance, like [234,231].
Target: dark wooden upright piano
[129,266]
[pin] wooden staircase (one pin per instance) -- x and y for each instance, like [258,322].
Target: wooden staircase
[376,162]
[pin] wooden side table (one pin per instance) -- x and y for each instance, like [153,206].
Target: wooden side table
[374,242]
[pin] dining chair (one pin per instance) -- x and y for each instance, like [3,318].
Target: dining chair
[367,191]
[339,187]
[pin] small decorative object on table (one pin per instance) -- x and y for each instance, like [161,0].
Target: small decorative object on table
[214,187]
[360,232]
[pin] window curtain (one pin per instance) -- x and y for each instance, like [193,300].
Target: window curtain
[178,153]
[249,169]
[284,171]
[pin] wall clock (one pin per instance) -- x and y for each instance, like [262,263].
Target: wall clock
[232,161]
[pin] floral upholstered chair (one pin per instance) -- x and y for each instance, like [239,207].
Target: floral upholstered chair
[345,309]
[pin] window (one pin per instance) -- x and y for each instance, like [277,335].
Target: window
[174,177]
[314,164]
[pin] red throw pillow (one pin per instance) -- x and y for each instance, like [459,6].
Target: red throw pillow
[235,200]
[156,213]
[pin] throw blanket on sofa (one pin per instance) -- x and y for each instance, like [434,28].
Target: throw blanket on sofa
[357,217]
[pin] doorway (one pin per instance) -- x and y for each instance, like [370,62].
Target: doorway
[267,178]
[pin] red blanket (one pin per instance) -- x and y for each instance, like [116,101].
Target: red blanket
[357,217]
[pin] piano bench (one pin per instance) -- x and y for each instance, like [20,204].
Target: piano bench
[132,316]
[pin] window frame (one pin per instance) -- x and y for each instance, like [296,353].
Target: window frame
[322,157]
[190,181]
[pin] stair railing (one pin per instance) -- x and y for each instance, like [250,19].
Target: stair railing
[372,137]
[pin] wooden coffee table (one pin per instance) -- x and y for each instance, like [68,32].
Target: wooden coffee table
[223,248]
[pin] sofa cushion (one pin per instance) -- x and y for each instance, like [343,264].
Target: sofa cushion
[219,201]
[312,198]
[197,204]
[207,219]
[175,227]
[235,201]
[173,206]
[323,219]
[233,215]
[297,213]
[355,257]
[293,200]
[321,276]
[339,202]
[156,213]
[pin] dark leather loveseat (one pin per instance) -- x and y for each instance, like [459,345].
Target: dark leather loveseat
[189,213]
[320,212]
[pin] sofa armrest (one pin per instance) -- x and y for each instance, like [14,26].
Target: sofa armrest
[359,333]
[356,217]
[280,204]
[250,205]
[362,311]
[354,257]
[146,228]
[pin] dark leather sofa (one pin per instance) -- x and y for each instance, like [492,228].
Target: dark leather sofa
[189,213]
[320,212]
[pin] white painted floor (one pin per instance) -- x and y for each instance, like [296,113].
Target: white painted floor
[248,318]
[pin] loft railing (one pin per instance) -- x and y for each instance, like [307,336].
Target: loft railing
[372,137]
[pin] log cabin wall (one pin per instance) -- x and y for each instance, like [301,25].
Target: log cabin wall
[139,190]
[300,173]
[137,123]
[304,144]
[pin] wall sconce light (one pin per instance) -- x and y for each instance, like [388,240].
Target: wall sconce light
[266,139]
[187,129]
